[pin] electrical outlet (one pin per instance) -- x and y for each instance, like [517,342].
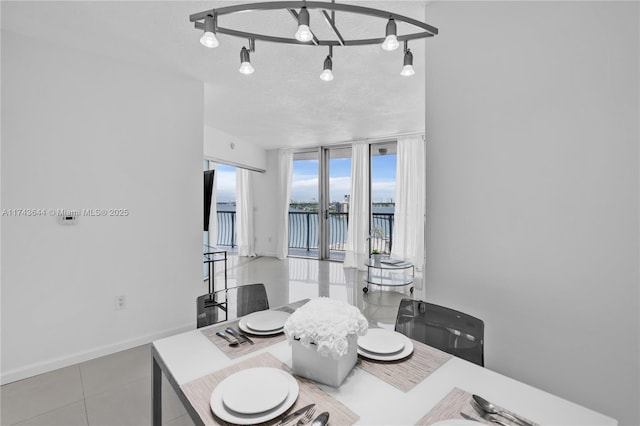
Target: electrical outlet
[121,302]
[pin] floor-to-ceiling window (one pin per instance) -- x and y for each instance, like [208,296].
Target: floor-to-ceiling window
[383,187]
[304,205]
[320,196]
[319,206]
[224,206]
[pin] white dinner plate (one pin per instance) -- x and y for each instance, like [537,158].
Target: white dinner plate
[224,413]
[457,422]
[405,352]
[266,320]
[255,390]
[243,326]
[381,341]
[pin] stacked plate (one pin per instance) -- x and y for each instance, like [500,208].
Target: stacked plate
[264,323]
[384,345]
[254,395]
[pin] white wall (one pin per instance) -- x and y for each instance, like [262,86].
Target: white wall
[223,147]
[532,189]
[265,197]
[81,131]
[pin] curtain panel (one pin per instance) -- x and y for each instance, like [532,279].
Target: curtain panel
[357,247]
[285,172]
[409,215]
[244,213]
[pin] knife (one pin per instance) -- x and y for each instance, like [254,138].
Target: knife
[286,419]
[467,417]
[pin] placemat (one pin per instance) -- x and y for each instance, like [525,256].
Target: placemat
[233,352]
[198,392]
[458,401]
[404,374]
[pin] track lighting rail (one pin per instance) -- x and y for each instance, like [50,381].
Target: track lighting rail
[429,31]
[208,22]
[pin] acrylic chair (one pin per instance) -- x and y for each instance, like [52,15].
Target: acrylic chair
[231,303]
[446,329]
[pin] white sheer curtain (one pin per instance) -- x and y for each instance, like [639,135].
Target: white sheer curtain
[357,250]
[244,213]
[408,229]
[285,172]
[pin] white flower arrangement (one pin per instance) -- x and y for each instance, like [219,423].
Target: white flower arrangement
[326,323]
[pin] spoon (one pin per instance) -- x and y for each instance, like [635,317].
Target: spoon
[321,420]
[224,336]
[492,409]
[238,336]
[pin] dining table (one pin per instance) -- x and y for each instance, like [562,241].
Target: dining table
[426,387]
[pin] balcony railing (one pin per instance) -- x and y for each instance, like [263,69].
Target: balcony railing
[303,230]
[226,229]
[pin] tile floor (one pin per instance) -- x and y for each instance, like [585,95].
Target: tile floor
[116,389]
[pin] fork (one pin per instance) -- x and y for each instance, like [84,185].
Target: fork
[307,417]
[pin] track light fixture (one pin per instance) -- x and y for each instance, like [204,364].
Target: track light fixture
[304,33]
[391,36]
[208,21]
[407,69]
[327,73]
[209,39]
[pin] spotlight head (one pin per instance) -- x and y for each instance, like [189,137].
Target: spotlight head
[327,74]
[407,69]
[391,39]
[245,62]
[304,33]
[209,39]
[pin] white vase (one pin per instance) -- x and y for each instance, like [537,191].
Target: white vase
[307,362]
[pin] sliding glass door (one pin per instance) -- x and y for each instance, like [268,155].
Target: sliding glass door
[319,203]
[320,196]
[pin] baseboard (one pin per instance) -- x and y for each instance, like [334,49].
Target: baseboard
[65,361]
[267,254]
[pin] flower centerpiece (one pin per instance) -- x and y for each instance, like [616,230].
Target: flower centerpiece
[324,339]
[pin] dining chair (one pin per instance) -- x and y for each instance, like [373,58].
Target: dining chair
[234,302]
[449,330]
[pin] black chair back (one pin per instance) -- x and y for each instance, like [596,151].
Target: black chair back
[231,303]
[449,330]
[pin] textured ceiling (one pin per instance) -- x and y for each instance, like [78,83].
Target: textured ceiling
[283,103]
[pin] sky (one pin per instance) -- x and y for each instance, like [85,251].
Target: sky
[304,187]
[225,183]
